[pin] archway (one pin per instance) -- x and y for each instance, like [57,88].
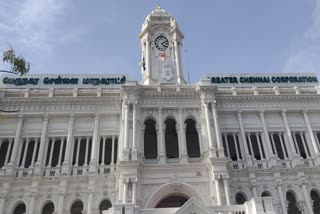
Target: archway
[241,198]
[172,201]
[20,209]
[150,140]
[104,205]
[176,187]
[292,204]
[171,138]
[316,201]
[77,207]
[48,208]
[266,194]
[192,139]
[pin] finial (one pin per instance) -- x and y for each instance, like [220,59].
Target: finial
[158,6]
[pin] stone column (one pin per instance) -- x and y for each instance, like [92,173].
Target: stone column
[148,59]
[42,144]
[31,204]
[178,61]
[134,132]
[182,138]
[134,190]
[66,161]
[272,160]
[60,203]
[211,146]
[126,126]
[161,142]
[218,191]
[112,151]
[248,157]
[296,158]
[226,189]
[217,129]
[313,140]
[281,195]
[307,199]
[89,206]
[15,145]
[2,203]
[95,144]
[125,191]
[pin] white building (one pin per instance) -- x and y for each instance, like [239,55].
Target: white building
[232,143]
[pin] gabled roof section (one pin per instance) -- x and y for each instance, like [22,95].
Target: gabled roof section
[194,206]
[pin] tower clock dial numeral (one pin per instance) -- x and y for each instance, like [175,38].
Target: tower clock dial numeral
[161,43]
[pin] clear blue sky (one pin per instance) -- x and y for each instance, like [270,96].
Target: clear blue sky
[99,36]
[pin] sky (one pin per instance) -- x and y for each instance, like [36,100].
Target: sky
[101,36]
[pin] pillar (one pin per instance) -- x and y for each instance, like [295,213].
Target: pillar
[134,190]
[217,129]
[269,155]
[112,151]
[69,144]
[89,206]
[218,191]
[281,196]
[125,191]
[126,126]
[42,143]
[311,134]
[295,157]
[25,153]
[226,189]
[148,59]
[178,61]
[134,127]
[161,137]
[2,203]
[95,141]
[206,111]
[31,204]
[134,131]
[182,137]
[248,157]
[16,141]
[60,203]
[306,196]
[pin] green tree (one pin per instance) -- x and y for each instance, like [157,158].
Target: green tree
[18,64]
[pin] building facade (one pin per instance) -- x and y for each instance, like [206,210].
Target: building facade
[231,143]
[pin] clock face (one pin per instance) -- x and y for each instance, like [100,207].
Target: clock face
[161,43]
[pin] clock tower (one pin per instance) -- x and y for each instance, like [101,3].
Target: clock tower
[161,41]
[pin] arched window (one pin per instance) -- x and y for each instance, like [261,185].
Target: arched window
[171,138]
[150,140]
[77,207]
[316,201]
[172,201]
[240,198]
[192,139]
[104,205]
[20,209]
[48,208]
[266,194]
[292,204]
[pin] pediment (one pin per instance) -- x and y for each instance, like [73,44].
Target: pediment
[192,206]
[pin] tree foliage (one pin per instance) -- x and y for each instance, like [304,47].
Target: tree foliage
[18,64]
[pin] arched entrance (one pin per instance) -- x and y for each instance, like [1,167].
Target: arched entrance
[292,204]
[48,208]
[20,209]
[241,198]
[77,207]
[316,201]
[172,201]
[104,205]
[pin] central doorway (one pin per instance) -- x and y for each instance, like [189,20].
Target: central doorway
[172,201]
